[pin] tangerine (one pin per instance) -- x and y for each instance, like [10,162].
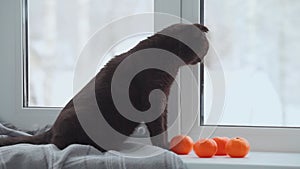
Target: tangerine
[181,144]
[237,147]
[205,148]
[221,142]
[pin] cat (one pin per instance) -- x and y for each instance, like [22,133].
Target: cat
[67,128]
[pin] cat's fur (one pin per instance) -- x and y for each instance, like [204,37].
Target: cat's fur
[67,129]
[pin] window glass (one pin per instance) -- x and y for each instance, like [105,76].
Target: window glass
[258,42]
[57,32]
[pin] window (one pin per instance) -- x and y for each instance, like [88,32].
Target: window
[30,116]
[239,45]
[16,105]
[258,44]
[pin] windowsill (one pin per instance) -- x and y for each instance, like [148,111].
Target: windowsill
[257,160]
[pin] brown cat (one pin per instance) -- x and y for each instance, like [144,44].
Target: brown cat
[68,130]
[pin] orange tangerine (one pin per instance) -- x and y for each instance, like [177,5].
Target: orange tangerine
[181,144]
[205,148]
[237,147]
[221,142]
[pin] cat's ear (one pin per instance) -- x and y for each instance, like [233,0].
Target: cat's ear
[201,27]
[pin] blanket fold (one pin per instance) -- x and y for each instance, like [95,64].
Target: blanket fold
[134,156]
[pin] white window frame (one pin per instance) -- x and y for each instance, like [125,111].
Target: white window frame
[11,74]
[12,53]
[271,139]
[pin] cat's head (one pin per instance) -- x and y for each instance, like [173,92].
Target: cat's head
[188,41]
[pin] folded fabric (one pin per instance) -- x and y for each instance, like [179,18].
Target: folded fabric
[5,131]
[132,155]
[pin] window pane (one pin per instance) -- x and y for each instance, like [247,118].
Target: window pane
[57,31]
[258,42]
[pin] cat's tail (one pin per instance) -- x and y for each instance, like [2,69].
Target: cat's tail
[43,138]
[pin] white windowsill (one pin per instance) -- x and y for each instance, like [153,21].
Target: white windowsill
[257,160]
